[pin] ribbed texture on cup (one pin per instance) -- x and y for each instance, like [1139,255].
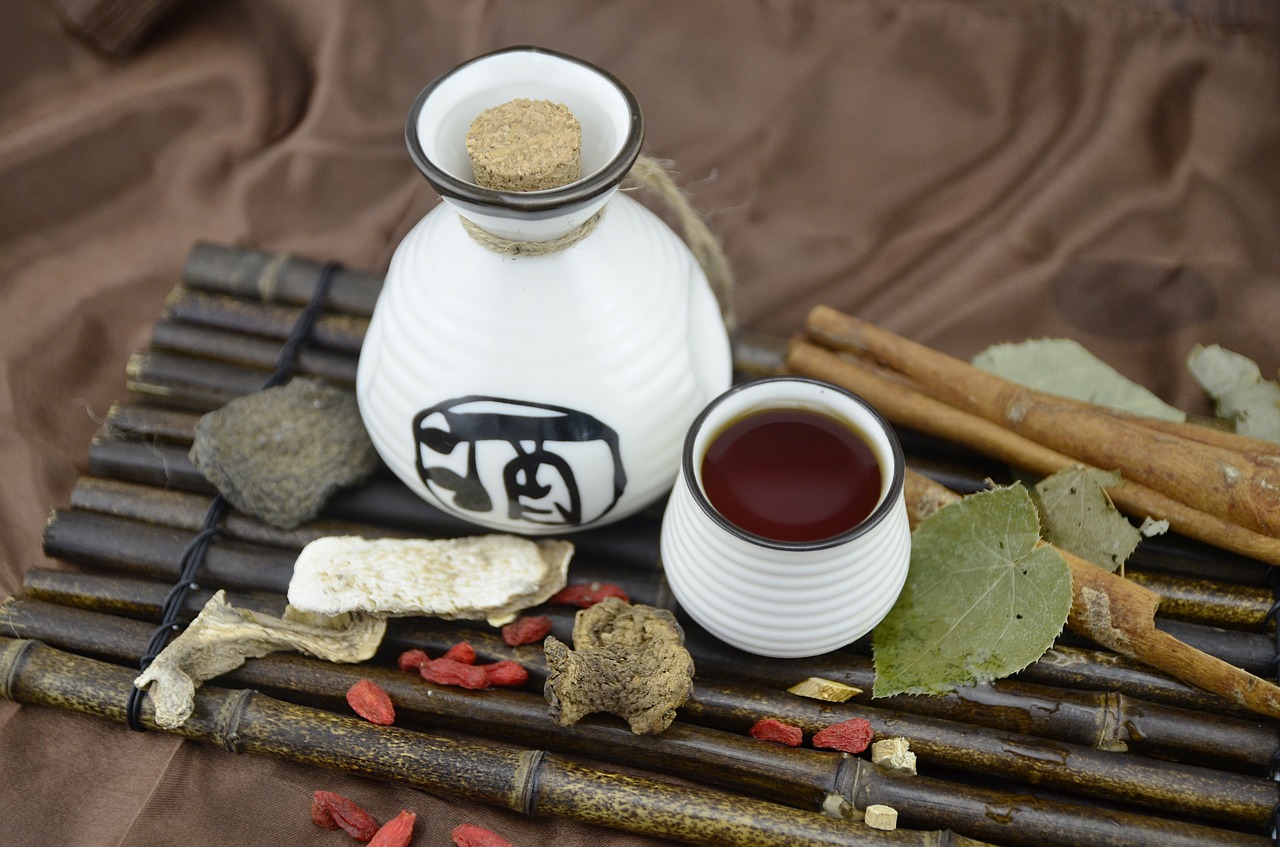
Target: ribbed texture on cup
[779,602]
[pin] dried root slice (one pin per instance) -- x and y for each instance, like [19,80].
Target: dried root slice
[878,816]
[491,577]
[222,637]
[894,754]
[817,688]
[629,661]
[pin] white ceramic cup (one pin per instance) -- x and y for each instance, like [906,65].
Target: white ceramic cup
[786,599]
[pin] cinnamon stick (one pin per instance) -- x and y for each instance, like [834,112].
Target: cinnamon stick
[906,406]
[1120,615]
[1236,486]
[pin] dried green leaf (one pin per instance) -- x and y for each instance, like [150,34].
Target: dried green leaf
[1064,367]
[1239,392]
[981,600]
[1076,515]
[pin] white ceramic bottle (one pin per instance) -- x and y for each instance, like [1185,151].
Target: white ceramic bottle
[538,394]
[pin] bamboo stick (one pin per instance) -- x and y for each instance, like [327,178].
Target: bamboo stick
[727,703]
[1120,615]
[237,348]
[152,551]
[278,278]
[956,468]
[799,779]
[908,407]
[1235,485]
[1197,601]
[1106,721]
[384,502]
[529,781]
[803,778]
[340,332]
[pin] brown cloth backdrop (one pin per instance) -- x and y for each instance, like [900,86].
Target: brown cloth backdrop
[962,171]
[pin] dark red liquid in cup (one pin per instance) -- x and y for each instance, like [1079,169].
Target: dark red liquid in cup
[791,475]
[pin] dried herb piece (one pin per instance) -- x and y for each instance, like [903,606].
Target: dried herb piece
[586,594]
[851,736]
[982,600]
[412,660]
[526,630]
[452,672]
[817,688]
[396,832]
[222,637]
[493,577]
[333,811]
[280,453]
[470,835]
[370,702]
[506,674]
[772,729]
[461,652]
[880,816]
[1077,515]
[894,754]
[1066,368]
[1239,392]
[629,661]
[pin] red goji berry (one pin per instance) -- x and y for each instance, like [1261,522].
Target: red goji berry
[770,729]
[586,594]
[370,702]
[461,652]
[470,835]
[526,630]
[411,660]
[452,672]
[333,811]
[851,736]
[506,673]
[395,832]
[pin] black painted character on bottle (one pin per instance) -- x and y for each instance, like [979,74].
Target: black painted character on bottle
[551,465]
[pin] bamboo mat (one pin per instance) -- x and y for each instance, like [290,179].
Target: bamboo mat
[1082,748]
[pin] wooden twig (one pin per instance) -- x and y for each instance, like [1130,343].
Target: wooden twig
[1235,485]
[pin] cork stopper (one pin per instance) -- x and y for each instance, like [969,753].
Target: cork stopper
[525,145]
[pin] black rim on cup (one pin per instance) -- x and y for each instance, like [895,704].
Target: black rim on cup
[577,192]
[877,516]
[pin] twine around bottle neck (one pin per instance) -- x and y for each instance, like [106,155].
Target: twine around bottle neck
[655,176]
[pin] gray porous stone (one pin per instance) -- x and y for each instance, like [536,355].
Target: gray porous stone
[279,454]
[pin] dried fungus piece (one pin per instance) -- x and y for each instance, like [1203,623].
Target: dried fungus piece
[222,637]
[490,577]
[280,453]
[629,661]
